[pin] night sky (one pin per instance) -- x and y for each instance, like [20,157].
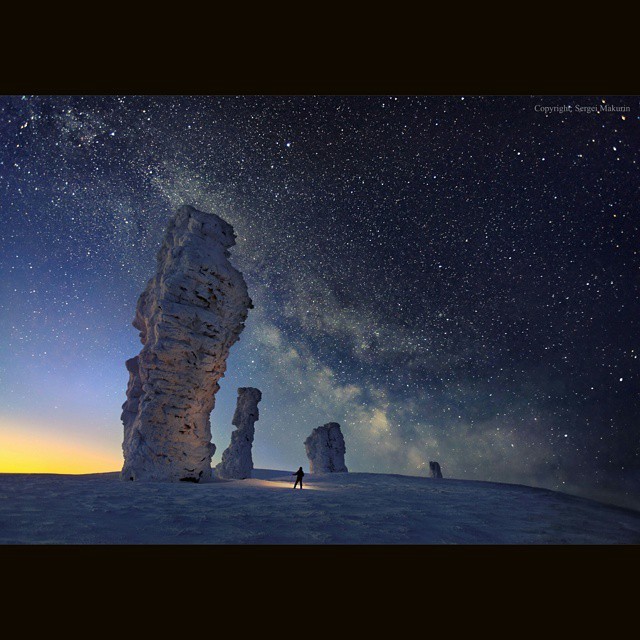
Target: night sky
[449,278]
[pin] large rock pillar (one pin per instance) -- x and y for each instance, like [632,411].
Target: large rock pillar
[190,314]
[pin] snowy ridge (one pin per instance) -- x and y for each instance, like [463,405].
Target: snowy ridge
[333,508]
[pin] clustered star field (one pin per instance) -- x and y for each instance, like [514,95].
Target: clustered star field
[449,278]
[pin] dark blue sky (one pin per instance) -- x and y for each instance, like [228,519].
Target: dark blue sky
[450,278]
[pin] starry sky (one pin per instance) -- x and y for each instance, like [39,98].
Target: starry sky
[450,278]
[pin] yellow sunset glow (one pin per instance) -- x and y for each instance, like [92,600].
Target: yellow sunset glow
[34,450]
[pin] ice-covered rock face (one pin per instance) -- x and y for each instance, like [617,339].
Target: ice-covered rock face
[236,459]
[325,449]
[190,314]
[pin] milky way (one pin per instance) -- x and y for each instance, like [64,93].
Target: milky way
[449,278]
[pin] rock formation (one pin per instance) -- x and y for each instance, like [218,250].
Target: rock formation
[435,469]
[236,462]
[190,314]
[325,449]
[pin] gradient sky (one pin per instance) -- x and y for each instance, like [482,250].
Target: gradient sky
[449,278]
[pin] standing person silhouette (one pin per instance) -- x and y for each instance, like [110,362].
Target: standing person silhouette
[298,474]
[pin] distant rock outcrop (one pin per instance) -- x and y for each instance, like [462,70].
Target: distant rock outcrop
[236,462]
[435,469]
[325,449]
[190,314]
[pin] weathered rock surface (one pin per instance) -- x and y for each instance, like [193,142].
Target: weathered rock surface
[190,314]
[325,449]
[237,463]
[434,467]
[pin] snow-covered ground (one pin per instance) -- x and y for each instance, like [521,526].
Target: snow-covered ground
[343,508]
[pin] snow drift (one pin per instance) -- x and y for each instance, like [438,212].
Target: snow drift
[333,508]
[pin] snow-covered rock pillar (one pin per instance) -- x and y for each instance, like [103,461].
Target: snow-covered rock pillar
[190,314]
[236,462]
[435,469]
[325,449]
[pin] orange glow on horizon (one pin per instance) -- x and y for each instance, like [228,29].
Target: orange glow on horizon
[33,450]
